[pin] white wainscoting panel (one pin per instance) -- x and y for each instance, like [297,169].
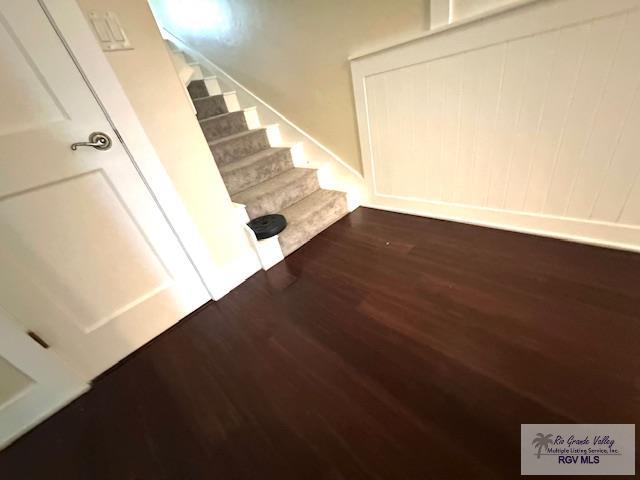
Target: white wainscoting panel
[528,119]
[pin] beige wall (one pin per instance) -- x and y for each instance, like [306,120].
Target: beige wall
[151,83]
[293,54]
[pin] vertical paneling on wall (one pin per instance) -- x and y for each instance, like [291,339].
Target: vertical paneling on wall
[546,124]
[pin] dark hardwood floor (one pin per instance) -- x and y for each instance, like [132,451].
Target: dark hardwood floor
[389,347]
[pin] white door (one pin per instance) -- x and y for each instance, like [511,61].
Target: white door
[87,260]
[33,382]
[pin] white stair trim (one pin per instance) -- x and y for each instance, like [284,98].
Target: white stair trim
[346,177]
[212,84]
[231,100]
[268,250]
[197,71]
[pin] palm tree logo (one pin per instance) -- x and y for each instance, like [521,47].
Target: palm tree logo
[542,441]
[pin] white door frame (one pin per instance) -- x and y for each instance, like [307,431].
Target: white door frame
[72,28]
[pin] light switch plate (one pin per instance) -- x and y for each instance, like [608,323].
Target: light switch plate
[109,31]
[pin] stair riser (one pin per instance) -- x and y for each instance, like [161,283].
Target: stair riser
[258,172]
[275,201]
[221,126]
[231,99]
[210,106]
[213,86]
[324,217]
[237,148]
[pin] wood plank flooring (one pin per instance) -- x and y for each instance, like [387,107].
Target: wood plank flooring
[389,347]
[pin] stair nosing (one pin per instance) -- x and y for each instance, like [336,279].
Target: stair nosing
[208,96]
[222,94]
[307,171]
[206,119]
[235,135]
[304,224]
[319,206]
[272,151]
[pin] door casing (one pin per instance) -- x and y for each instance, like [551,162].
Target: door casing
[73,30]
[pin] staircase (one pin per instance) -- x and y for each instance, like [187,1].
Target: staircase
[259,173]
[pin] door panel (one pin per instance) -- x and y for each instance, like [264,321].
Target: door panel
[13,383]
[93,224]
[19,83]
[87,260]
[34,383]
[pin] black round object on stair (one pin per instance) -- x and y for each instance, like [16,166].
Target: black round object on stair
[268,225]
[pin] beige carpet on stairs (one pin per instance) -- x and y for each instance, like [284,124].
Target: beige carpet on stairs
[262,177]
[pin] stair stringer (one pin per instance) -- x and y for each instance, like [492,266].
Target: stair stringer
[333,172]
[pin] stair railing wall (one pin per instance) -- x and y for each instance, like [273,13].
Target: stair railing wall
[526,119]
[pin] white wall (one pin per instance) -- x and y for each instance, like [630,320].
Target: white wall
[527,120]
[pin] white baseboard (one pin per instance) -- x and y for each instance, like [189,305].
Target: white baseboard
[237,271]
[269,250]
[69,397]
[600,234]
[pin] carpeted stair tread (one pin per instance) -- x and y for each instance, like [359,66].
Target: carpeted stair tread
[253,169]
[234,136]
[309,216]
[264,178]
[239,145]
[197,89]
[223,125]
[279,192]
[210,106]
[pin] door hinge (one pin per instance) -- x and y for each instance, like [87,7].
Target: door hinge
[38,339]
